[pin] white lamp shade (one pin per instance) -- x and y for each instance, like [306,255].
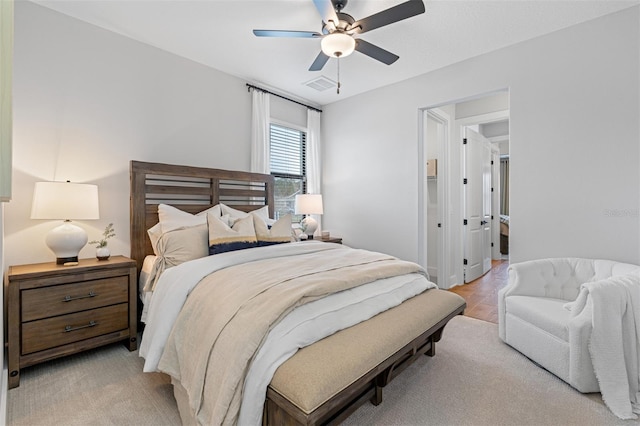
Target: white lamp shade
[338,44]
[309,204]
[65,200]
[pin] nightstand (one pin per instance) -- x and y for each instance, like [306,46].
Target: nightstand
[55,310]
[337,240]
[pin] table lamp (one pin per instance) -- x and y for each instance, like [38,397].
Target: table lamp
[66,201]
[309,204]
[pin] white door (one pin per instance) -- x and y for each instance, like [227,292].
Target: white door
[477,205]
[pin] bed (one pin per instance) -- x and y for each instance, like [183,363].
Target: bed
[504,234]
[321,329]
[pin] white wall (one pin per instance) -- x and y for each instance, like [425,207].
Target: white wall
[574,145]
[485,104]
[87,101]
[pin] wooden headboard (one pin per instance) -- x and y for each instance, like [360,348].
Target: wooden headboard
[191,189]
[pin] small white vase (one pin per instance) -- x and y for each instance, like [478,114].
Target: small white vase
[103,253]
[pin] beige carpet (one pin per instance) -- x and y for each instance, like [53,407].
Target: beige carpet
[474,379]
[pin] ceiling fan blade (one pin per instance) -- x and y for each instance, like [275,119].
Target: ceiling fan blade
[327,11]
[317,65]
[389,16]
[375,52]
[286,33]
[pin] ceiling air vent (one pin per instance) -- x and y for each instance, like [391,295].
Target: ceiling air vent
[321,83]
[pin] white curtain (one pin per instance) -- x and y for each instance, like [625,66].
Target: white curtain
[314,166]
[260,116]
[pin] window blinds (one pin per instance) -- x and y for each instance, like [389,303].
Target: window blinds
[287,151]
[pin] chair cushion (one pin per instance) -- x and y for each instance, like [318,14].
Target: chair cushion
[545,313]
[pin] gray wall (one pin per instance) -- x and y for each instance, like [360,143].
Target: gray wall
[574,145]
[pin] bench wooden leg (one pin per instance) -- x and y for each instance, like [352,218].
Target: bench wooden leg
[432,349]
[376,399]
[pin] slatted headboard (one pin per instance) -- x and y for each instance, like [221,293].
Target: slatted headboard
[191,189]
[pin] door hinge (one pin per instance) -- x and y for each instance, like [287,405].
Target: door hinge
[491,217]
[491,189]
[439,225]
[464,261]
[464,141]
[491,244]
[464,181]
[492,162]
[464,222]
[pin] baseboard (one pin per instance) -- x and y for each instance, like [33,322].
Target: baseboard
[4,383]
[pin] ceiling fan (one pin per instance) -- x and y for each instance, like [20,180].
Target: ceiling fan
[339,30]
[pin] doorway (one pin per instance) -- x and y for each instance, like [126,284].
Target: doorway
[434,196]
[441,232]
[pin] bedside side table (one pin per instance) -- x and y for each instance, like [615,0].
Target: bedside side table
[55,310]
[337,240]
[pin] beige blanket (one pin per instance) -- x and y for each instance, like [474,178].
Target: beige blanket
[227,316]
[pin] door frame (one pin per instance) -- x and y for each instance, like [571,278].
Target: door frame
[495,201]
[444,121]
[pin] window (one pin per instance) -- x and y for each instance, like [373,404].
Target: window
[288,166]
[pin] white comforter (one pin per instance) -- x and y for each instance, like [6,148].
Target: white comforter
[303,326]
[614,307]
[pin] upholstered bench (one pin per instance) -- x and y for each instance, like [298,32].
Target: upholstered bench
[325,382]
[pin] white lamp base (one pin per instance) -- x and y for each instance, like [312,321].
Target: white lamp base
[309,225]
[66,241]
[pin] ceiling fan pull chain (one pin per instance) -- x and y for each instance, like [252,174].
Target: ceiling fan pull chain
[338,88]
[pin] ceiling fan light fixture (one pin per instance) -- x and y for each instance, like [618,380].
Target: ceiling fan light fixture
[338,45]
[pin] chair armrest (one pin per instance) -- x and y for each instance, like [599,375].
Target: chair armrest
[525,279]
[581,374]
[529,278]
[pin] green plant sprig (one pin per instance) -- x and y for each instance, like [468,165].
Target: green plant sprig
[108,233]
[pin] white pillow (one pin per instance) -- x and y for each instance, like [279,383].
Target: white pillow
[172,218]
[179,246]
[262,212]
[224,238]
[155,232]
[279,232]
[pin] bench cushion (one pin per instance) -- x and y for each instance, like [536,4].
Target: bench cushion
[318,372]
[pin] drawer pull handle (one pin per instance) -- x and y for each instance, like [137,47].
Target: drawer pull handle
[68,328]
[69,298]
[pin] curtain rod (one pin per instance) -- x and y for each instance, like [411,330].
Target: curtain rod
[251,86]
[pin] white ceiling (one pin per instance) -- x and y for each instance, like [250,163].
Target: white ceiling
[218,33]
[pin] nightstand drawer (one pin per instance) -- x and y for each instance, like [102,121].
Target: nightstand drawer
[57,331]
[68,298]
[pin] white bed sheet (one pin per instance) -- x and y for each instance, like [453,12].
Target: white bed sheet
[145,276]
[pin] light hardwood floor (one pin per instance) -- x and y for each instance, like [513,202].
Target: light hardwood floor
[482,294]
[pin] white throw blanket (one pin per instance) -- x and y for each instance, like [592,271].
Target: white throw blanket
[614,345]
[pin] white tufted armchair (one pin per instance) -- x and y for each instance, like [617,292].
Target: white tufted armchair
[533,320]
